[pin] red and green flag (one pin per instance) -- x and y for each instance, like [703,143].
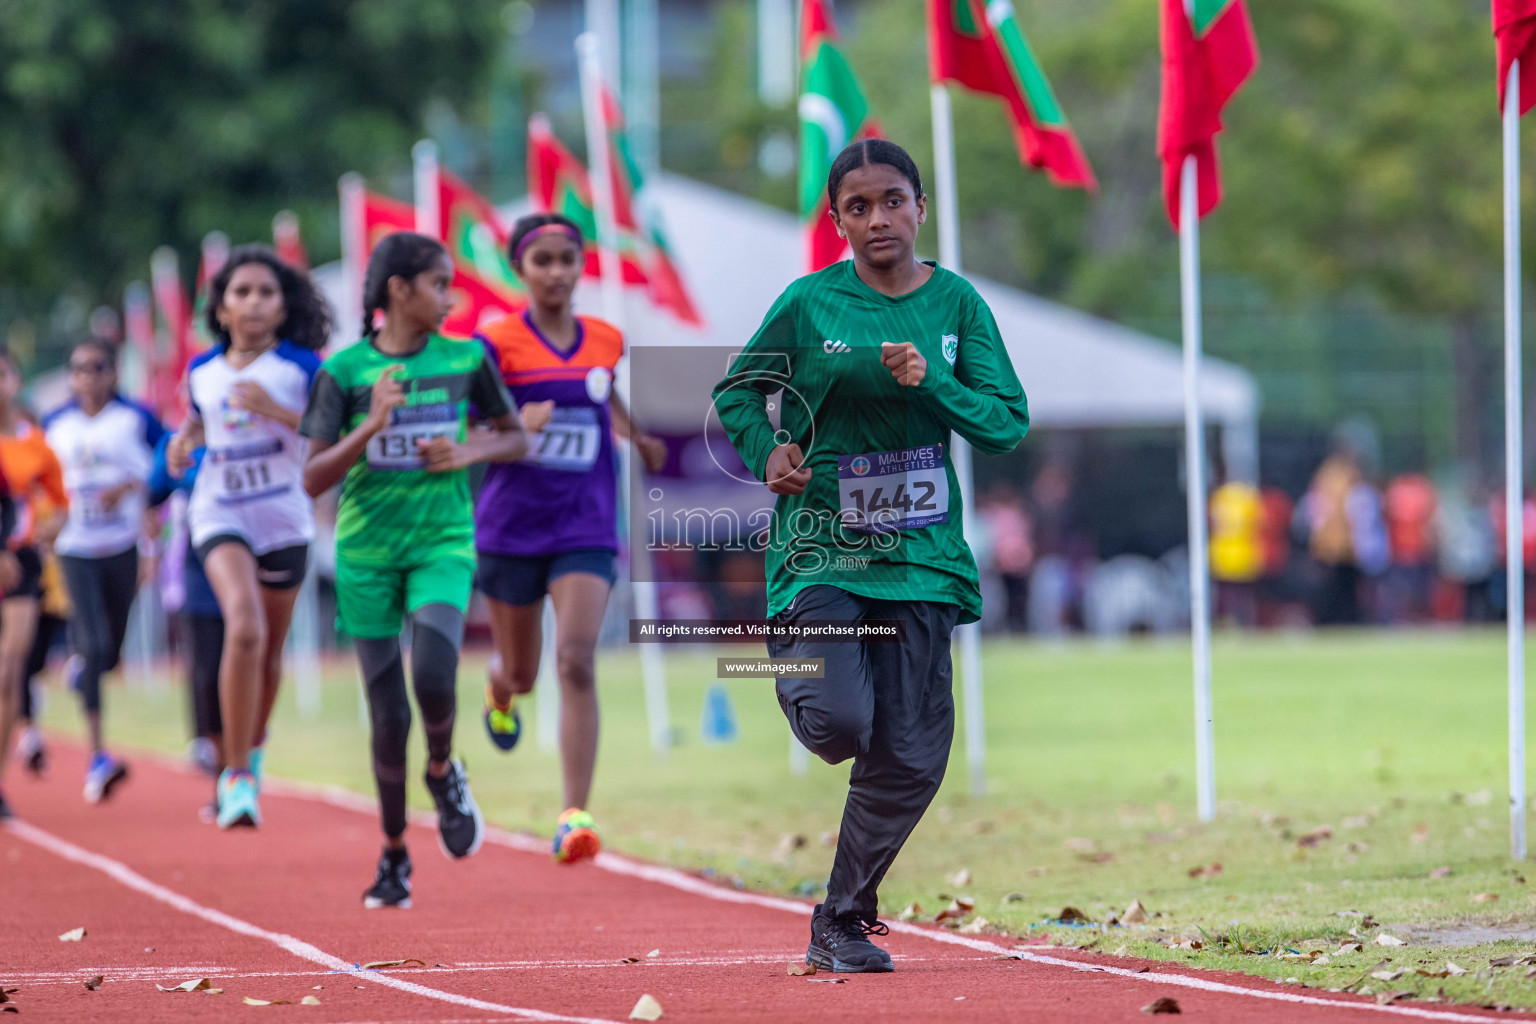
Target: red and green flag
[1209,51]
[174,346]
[638,219]
[215,253]
[1514,28]
[833,113]
[558,183]
[980,46]
[485,288]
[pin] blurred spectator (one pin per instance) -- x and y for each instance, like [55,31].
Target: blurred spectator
[1467,551]
[1237,550]
[1012,553]
[1332,541]
[1410,513]
[1498,592]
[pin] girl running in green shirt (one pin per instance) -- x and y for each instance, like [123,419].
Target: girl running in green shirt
[390,415]
[879,358]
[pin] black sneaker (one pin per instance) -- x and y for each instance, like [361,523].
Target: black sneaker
[392,885]
[841,944]
[5,809]
[460,828]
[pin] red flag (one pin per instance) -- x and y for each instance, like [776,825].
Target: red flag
[175,350]
[558,183]
[981,47]
[1514,26]
[383,216]
[484,286]
[287,240]
[1209,50]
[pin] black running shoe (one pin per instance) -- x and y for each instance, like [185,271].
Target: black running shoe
[5,809]
[460,827]
[392,885]
[841,944]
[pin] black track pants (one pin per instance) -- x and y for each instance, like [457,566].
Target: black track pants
[889,706]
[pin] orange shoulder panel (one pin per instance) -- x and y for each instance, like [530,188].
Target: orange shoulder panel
[604,342]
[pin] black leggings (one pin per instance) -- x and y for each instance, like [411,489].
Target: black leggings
[437,631]
[48,627]
[101,590]
[205,638]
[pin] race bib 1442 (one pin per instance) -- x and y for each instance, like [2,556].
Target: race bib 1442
[900,490]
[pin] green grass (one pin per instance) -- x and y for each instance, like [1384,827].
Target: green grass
[1396,741]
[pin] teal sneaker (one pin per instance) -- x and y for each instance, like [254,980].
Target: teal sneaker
[505,727]
[257,761]
[238,806]
[575,837]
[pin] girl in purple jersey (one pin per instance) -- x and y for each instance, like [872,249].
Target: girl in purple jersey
[548,524]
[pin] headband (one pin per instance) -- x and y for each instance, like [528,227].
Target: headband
[545,229]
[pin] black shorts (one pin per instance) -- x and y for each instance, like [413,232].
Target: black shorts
[282,569]
[524,579]
[31,584]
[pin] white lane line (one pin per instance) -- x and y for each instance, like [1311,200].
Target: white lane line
[679,880]
[133,880]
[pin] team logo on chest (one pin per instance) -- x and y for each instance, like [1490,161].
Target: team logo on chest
[951,347]
[599,384]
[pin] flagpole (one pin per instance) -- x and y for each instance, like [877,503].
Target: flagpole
[424,162]
[1194,482]
[652,663]
[349,190]
[947,199]
[1514,475]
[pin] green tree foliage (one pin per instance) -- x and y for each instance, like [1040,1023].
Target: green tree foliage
[130,125]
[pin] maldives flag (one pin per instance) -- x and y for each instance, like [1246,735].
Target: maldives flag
[1208,53]
[558,183]
[287,240]
[982,48]
[381,216]
[640,219]
[833,112]
[1514,27]
[215,253]
[485,288]
[174,346]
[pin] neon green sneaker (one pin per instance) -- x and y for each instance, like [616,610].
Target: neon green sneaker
[576,837]
[503,725]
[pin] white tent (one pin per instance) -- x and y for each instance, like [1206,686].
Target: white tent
[1078,370]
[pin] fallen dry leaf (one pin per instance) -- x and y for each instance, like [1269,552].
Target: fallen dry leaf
[1392,975]
[647,1008]
[1420,833]
[960,879]
[1348,947]
[958,907]
[975,927]
[1014,897]
[829,839]
[653,954]
[195,985]
[1453,971]
[1070,915]
[1134,914]
[911,912]
[1441,872]
[800,969]
[1388,998]
[1122,951]
[1163,1005]
[1388,940]
[93,983]
[1486,897]
[381,964]
[267,1002]
[1314,837]
[309,1001]
[629,960]
[1205,870]
[828,981]
[73,935]
[1356,847]
[791,842]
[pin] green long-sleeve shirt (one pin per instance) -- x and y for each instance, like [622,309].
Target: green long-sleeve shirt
[880,516]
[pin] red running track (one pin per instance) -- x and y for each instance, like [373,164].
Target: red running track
[276,914]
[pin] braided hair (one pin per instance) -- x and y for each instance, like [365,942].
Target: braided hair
[307,316]
[872,151]
[403,254]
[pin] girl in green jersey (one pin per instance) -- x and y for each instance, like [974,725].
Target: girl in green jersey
[390,415]
[880,359]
